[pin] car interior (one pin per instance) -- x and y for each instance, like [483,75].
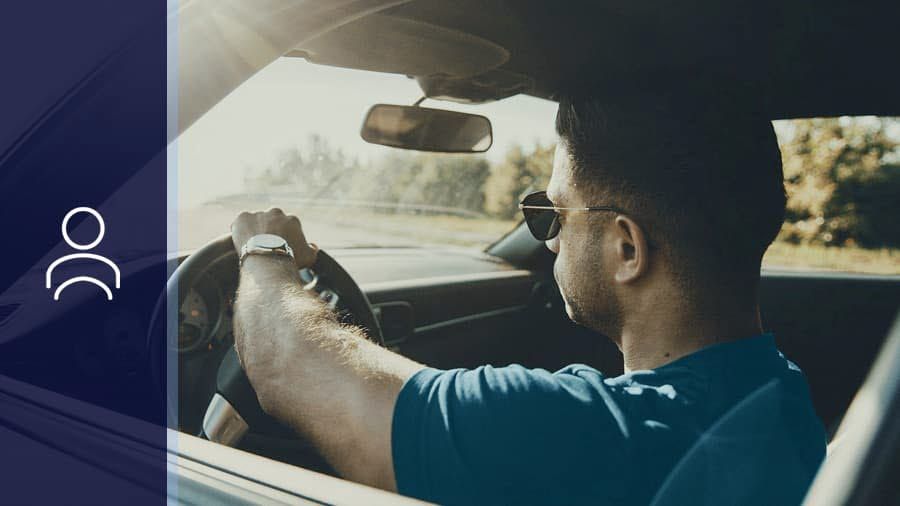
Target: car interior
[451,308]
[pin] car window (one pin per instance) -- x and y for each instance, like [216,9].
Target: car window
[842,178]
[289,138]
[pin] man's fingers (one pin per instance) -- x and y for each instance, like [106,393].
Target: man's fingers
[309,256]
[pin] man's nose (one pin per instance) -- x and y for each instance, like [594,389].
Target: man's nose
[553,244]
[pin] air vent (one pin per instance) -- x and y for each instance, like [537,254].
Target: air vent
[396,320]
[6,311]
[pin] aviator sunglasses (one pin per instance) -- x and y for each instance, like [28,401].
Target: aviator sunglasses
[542,217]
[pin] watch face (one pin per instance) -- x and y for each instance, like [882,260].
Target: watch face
[268,241]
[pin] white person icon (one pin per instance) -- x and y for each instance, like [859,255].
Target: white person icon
[83,255]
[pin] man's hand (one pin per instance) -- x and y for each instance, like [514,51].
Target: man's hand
[323,379]
[274,221]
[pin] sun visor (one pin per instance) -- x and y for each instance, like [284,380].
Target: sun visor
[384,43]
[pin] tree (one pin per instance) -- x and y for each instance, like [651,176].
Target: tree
[418,179]
[518,173]
[842,179]
[315,170]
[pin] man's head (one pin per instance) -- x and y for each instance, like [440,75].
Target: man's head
[702,192]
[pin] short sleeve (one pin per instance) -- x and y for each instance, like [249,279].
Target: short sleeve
[507,435]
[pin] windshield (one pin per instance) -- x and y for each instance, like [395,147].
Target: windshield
[289,138]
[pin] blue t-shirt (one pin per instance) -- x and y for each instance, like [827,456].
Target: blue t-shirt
[732,422]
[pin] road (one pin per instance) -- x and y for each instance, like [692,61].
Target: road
[345,227]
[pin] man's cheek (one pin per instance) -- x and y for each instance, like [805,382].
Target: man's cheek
[560,271]
[557,266]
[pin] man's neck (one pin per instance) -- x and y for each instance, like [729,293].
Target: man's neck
[648,343]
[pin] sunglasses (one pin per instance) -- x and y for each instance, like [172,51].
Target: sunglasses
[542,217]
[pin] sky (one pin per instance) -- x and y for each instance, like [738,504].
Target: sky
[290,99]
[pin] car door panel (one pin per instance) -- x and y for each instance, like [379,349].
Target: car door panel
[832,325]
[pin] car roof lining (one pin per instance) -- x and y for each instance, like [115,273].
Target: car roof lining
[796,58]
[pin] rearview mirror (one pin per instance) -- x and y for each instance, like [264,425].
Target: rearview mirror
[424,129]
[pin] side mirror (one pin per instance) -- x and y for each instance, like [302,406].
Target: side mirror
[424,129]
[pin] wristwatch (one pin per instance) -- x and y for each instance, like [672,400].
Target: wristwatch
[266,244]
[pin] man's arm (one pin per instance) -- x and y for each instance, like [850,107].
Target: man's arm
[322,378]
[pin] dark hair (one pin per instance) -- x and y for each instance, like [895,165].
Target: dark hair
[702,177]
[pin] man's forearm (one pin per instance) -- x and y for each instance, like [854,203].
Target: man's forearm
[324,379]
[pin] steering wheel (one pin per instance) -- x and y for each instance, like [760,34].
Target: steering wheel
[234,409]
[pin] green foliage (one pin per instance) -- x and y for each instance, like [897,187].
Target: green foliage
[871,205]
[843,181]
[520,172]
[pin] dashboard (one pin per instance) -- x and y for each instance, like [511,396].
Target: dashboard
[205,317]
[205,309]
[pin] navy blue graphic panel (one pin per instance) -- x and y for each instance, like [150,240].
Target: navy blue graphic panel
[83,223]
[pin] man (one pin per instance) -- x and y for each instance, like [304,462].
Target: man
[659,211]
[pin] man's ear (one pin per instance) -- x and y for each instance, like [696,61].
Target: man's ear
[632,252]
